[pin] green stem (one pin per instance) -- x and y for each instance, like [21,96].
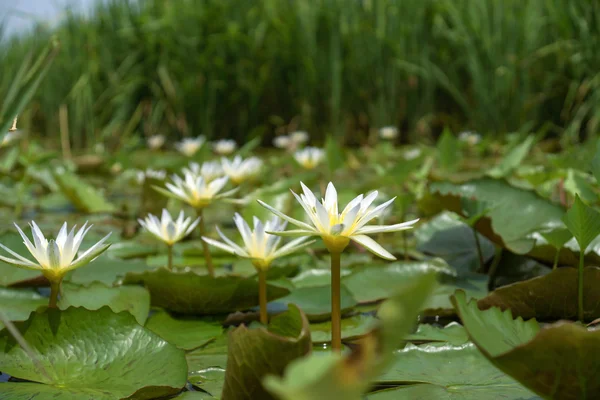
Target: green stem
[170,257]
[494,267]
[54,289]
[580,288]
[207,256]
[405,245]
[262,295]
[336,312]
[555,264]
[479,252]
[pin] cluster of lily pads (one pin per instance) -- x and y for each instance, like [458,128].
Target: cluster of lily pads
[176,308]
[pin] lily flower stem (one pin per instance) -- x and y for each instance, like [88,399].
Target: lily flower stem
[170,257]
[556,256]
[207,256]
[336,314]
[262,296]
[54,289]
[580,288]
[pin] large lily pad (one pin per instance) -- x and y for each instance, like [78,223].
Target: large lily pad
[316,301]
[206,366]
[17,304]
[443,371]
[549,297]
[82,354]
[189,293]
[439,304]
[514,213]
[85,197]
[106,270]
[453,333]
[186,334]
[133,299]
[558,361]
[352,327]
[10,274]
[254,353]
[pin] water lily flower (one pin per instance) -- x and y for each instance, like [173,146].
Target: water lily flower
[209,170]
[240,170]
[412,154]
[299,137]
[470,138]
[155,142]
[169,231]
[190,146]
[54,258]
[309,157]
[10,137]
[337,229]
[282,142]
[260,247]
[158,174]
[195,190]
[388,132]
[224,147]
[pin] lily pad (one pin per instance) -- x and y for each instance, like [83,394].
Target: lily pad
[444,371]
[316,301]
[453,333]
[373,283]
[106,270]
[529,354]
[352,327]
[133,299]
[10,274]
[206,366]
[17,304]
[549,297]
[439,304]
[315,277]
[131,249]
[254,353]
[186,334]
[189,293]
[85,197]
[90,355]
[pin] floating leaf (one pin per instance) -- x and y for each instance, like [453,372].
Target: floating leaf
[17,304]
[583,222]
[453,333]
[207,366]
[316,301]
[448,150]
[513,158]
[106,270]
[189,293]
[255,353]
[439,304]
[85,197]
[186,334]
[86,354]
[352,328]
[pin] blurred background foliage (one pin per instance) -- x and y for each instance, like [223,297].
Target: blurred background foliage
[245,69]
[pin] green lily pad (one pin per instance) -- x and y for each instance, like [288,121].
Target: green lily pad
[17,304]
[315,277]
[90,355]
[189,293]
[352,328]
[206,366]
[453,333]
[186,334]
[316,301]
[439,304]
[373,283]
[443,371]
[557,362]
[85,197]
[549,297]
[131,249]
[10,274]
[255,353]
[106,270]
[133,299]
[526,210]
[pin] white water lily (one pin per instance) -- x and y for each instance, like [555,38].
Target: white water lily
[388,132]
[159,174]
[471,138]
[282,142]
[259,246]
[155,142]
[54,258]
[209,170]
[168,230]
[195,190]
[224,147]
[240,170]
[310,157]
[337,229]
[190,146]
[299,137]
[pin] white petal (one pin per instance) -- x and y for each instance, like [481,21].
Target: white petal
[19,257]
[324,221]
[331,199]
[61,238]
[39,255]
[244,229]
[293,246]
[295,233]
[368,216]
[366,230]
[230,242]
[225,247]
[21,264]
[310,196]
[285,217]
[372,246]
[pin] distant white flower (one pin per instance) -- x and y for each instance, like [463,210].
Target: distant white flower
[240,170]
[195,190]
[224,147]
[55,257]
[259,246]
[209,170]
[155,142]
[309,157]
[282,142]
[388,132]
[190,146]
[412,154]
[10,137]
[337,229]
[299,137]
[159,175]
[166,229]
[471,138]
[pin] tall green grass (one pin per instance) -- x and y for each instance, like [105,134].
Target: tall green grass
[243,68]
